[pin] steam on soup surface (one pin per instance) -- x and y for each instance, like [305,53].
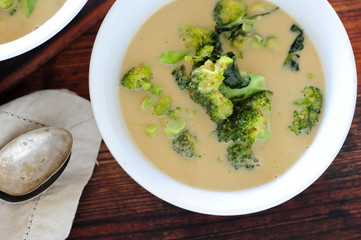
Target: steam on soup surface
[14,22]
[212,170]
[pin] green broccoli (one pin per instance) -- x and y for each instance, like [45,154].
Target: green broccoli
[138,77]
[204,88]
[28,6]
[227,11]
[172,57]
[164,104]
[185,144]
[233,15]
[239,155]
[232,19]
[156,90]
[146,102]
[232,76]
[237,85]
[182,79]
[174,127]
[272,43]
[250,120]
[305,118]
[217,83]
[205,42]
[5,4]
[175,123]
[256,85]
[175,113]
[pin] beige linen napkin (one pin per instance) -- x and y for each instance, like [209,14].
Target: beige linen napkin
[50,215]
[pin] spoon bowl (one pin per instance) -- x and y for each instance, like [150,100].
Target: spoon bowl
[32,162]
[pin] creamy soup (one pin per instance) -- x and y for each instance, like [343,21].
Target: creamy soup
[212,170]
[15,24]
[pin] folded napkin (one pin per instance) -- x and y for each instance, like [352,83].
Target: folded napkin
[50,215]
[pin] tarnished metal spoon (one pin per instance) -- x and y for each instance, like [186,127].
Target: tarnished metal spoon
[32,162]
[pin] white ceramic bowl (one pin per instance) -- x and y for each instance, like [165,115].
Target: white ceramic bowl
[328,36]
[54,25]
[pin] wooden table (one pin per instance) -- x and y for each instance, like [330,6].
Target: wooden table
[113,206]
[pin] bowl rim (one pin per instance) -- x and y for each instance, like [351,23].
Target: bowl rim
[109,117]
[46,31]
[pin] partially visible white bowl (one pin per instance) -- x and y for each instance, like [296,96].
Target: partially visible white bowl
[334,48]
[46,31]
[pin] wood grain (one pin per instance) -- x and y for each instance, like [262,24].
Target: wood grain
[113,206]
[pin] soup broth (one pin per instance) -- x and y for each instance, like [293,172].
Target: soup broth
[212,170]
[17,24]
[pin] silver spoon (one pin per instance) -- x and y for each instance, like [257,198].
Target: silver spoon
[32,162]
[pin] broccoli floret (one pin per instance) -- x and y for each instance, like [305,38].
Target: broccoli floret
[146,102]
[171,57]
[175,123]
[230,16]
[195,36]
[138,77]
[256,85]
[164,104]
[272,43]
[5,4]
[233,20]
[204,88]
[239,155]
[175,113]
[204,41]
[250,120]
[216,83]
[185,144]
[305,118]
[227,11]
[156,90]
[174,127]
[205,51]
